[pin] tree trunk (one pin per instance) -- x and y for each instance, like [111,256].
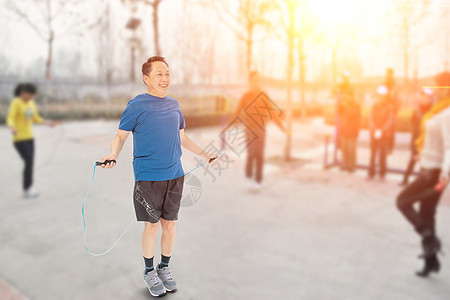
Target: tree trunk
[249,46]
[132,72]
[301,58]
[48,64]
[334,67]
[155,26]
[406,49]
[290,65]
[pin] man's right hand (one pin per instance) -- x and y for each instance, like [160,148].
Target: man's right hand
[13,130]
[110,164]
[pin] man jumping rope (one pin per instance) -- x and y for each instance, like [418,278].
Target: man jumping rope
[158,126]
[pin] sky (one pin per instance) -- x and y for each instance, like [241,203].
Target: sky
[202,49]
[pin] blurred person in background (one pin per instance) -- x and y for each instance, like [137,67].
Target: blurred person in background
[158,126]
[345,88]
[22,114]
[349,123]
[380,122]
[249,105]
[342,92]
[424,102]
[349,131]
[433,146]
[392,98]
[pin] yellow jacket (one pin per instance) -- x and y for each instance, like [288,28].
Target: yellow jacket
[21,116]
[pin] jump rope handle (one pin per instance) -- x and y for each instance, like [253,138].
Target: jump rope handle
[213,158]
[99,163]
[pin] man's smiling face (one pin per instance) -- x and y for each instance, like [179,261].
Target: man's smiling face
[158,80]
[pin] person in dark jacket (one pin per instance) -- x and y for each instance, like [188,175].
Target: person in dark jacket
[256,109]
[380,122]
[425,101]
[342,92]
[350,118]
[345,88]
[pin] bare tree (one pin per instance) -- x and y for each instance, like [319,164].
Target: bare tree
[445,38]
[42,16]
[102,35]
[410,16]
[198,56]
[155,7]
[337,39]
[294,27]
[304,32]
[242,19]
[285,9]
[4,65]
[290,30]
[51,20]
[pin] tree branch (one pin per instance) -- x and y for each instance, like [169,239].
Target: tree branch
[25,17]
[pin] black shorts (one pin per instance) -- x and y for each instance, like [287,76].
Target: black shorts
[158,199]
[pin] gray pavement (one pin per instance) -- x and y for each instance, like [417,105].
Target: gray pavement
[308,234]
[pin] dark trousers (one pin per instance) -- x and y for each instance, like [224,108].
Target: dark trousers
[26,152]
[378,148]
[348,148]
[421,191]
[255,156]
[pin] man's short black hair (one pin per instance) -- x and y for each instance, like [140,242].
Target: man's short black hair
[147,66]
[28,88]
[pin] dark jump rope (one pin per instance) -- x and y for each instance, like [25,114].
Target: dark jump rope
[99,163]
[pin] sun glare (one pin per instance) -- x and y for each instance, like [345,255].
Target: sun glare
[332,11]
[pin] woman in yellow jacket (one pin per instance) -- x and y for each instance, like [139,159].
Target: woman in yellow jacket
[21,116]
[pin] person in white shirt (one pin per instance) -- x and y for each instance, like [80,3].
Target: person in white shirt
[433,146]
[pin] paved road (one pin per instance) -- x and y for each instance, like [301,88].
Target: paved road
[308,234]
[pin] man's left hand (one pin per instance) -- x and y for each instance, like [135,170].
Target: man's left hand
[209,157]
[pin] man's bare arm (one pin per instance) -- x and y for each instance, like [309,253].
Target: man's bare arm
[190,145]
[116,146]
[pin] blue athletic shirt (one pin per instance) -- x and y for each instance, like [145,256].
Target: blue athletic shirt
[155,123]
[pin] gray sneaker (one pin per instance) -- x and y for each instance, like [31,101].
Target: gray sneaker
[167,279]
[155,285]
